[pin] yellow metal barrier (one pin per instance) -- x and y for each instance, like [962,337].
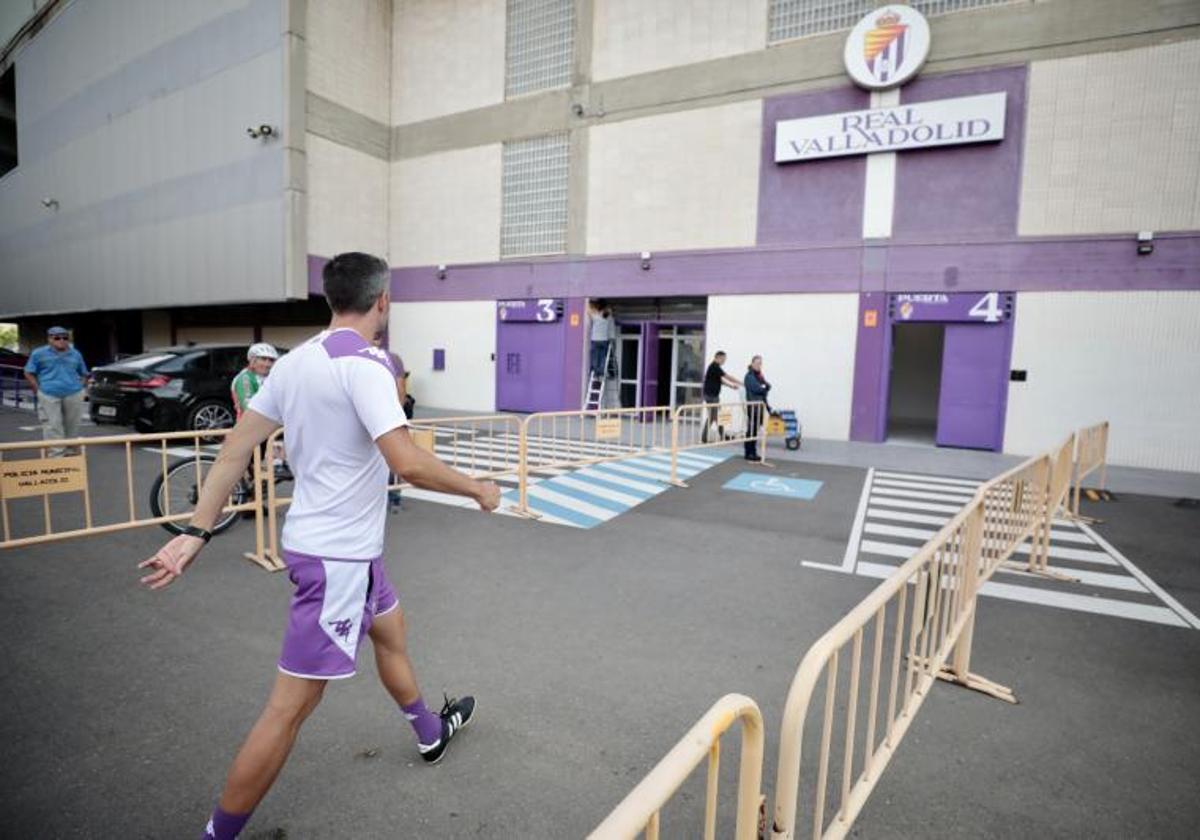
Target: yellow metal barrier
[640,810]
[85,504]
[558,439]
[924,617]
[692,425]
[1057,493]
[1091,454]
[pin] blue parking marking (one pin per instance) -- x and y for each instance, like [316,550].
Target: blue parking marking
[769,485]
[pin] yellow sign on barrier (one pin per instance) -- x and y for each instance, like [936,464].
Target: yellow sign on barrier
[725,417]
[608,428]
[42,476]
[423,438]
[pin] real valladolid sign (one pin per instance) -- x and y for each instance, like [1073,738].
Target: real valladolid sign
[886,49]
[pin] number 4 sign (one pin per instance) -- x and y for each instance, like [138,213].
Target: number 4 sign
[987,308]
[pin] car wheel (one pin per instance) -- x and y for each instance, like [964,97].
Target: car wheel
[210,414]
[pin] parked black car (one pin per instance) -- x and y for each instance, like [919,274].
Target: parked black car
[184,387]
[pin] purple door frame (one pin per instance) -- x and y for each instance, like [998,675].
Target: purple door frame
[649,371]
[990,353]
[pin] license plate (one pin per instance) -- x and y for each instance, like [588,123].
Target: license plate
[107,410]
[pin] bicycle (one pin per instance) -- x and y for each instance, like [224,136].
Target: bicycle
[178,490]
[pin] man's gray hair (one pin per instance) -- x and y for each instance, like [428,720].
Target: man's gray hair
[354,281]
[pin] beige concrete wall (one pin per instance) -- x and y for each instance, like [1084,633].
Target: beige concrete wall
[448,56]
[1111,142]
[202,335]
[347,200]
[637,36]
[156,328]
[682,180]
[445,208]
[1132,358]
[290,337]
[349,54]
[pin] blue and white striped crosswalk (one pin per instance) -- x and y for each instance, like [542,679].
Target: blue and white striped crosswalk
[587,497]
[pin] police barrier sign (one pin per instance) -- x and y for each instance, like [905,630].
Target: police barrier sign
[943,122]
[42,476]
[608,428]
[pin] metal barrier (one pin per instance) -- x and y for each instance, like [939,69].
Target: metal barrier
[113,505]
[1057,493]
[1091,454]
[691,426]
[488,446]
[640,810]
[14,388]
[579,438]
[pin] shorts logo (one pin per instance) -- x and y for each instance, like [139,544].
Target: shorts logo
[342,628]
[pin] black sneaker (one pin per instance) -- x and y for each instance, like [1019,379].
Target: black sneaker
[455,715]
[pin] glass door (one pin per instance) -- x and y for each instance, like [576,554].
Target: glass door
[687,366]
[629,365]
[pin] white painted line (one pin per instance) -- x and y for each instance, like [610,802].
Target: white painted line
[924,535]
[603,475]
[888,492]
[907,505]
[1082,555]
[828,567]
[961,482]
[1183,612]
[1128,583]
[856,531]
[544,492]
[624,469]
[597,490]
[898,516]
[966,494]
[1050,598]
[684,462]
[888,549]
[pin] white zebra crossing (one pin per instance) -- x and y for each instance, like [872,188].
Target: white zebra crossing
[900,512]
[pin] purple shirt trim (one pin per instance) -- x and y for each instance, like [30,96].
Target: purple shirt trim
[345,342]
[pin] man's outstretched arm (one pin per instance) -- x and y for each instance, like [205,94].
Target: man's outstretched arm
[424,470]
[170,560]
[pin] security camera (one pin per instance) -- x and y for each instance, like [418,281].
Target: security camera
[1145,242]
[645,260]
[262,131]
[577,109]
[50,203]
[441,271]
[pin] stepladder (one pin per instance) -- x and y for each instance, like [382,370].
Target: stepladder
[593,398]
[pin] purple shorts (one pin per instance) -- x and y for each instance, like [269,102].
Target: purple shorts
[332,609]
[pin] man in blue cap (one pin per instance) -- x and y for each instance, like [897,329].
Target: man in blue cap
[57,373]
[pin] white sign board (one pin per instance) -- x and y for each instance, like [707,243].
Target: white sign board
[943,122]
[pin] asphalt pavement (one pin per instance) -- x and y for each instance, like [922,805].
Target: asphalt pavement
[590,652]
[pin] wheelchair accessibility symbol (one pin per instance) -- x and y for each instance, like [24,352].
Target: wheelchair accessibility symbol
[769,485]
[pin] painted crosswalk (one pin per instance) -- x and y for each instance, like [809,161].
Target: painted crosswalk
[580,497]
[898,512]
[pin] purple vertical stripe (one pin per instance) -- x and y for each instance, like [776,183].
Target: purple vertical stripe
[963,191]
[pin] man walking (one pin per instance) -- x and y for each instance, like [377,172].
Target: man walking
[336,394]
[714,378]
[57,374]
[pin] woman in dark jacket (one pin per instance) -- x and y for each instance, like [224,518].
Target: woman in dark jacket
[756,391]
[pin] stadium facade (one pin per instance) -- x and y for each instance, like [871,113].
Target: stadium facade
[1004,246]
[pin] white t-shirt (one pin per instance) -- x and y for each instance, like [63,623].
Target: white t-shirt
[334,395]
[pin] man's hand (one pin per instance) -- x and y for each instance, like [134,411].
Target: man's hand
[170,561]
[488,495]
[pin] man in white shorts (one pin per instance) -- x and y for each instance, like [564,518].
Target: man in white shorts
[336,394]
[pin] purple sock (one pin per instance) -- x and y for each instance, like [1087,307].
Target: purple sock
[425,723]
[224,826]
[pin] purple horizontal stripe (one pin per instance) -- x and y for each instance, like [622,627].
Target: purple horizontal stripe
[1106,263]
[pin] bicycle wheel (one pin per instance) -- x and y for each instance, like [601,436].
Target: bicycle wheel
[179,489]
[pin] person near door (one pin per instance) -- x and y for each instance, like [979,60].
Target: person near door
[57,374]
[757,387]
[714,378]
[603,331]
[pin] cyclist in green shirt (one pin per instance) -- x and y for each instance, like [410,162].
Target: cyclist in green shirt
[259,359]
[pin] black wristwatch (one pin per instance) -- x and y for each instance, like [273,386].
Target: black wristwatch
[195,531]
